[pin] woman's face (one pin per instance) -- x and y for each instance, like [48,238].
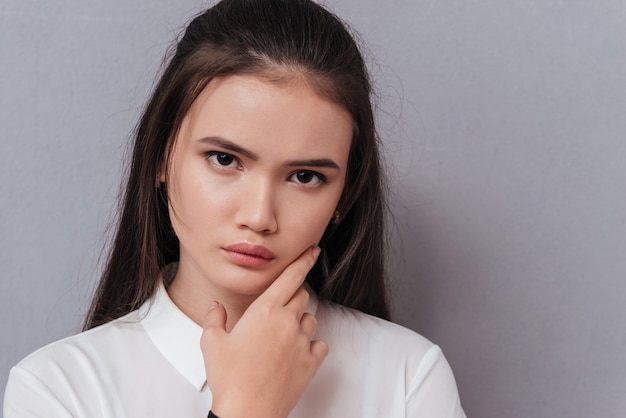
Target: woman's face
[255,175]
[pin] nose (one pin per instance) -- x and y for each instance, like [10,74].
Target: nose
[257,211]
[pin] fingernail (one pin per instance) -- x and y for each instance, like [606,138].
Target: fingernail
[213,305]
[316,252]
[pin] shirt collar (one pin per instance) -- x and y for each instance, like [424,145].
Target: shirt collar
[177,337]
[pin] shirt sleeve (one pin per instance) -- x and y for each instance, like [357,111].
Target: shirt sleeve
[26,396]
[433,392]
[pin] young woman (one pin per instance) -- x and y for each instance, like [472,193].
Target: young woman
[246,277]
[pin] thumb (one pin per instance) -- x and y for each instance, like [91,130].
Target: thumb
[215,318]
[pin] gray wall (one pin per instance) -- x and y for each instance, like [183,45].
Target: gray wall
[504,125]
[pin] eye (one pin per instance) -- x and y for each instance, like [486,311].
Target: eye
[223,159]
[307,178]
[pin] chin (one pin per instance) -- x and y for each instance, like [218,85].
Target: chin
[247,285]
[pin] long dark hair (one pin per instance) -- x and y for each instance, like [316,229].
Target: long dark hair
[267,38]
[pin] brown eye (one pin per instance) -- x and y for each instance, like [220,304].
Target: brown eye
[304,176]
[307,178]
[223,159]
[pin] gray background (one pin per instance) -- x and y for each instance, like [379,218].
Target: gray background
[504,124]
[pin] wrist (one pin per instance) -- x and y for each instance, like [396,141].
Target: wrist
[240,410]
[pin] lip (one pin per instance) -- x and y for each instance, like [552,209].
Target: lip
[249,255]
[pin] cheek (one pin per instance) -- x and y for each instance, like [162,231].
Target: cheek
[307,222]
[308,232]
[197,202]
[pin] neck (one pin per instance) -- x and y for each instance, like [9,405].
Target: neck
[193,297]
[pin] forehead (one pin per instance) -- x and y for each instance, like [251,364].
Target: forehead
[265,115]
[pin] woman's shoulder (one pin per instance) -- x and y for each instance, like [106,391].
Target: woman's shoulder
[417,377]
[83,370]
[367,341]
[345,321]
[86,346]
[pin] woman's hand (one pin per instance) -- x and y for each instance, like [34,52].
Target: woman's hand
[262,367]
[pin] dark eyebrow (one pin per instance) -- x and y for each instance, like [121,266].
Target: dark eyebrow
[320,162]
[226,144]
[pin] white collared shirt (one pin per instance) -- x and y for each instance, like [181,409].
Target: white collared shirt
[149,364]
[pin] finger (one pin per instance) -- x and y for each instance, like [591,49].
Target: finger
[308,324]
[215,317]
[319,349]
[290,280]
[298,302]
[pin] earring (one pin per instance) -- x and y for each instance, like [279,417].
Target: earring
[336,217]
